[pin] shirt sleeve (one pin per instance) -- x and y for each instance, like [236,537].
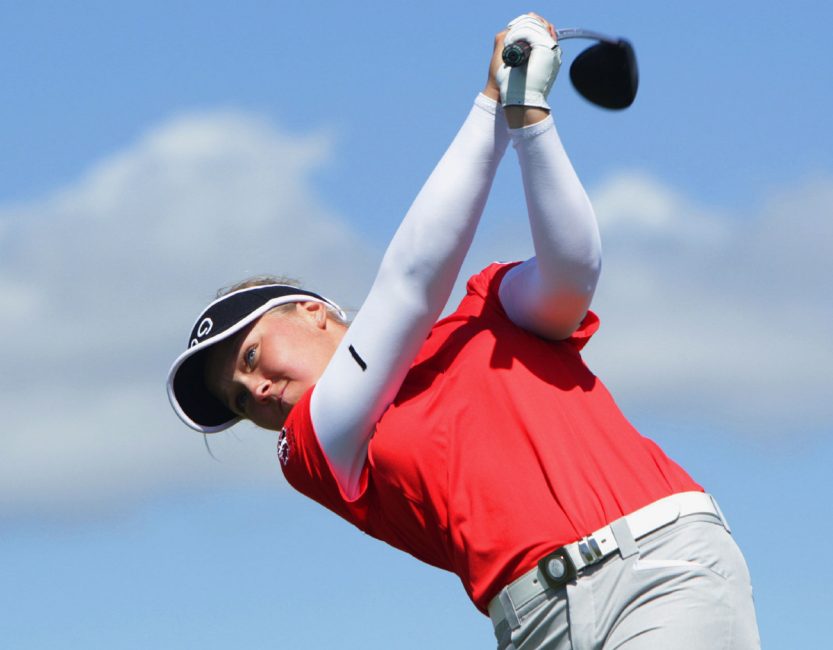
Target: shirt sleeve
[307,469]
[487,286]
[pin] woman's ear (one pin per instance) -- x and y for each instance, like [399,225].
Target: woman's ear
[314,311]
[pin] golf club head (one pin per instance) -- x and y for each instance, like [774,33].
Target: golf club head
[606,74]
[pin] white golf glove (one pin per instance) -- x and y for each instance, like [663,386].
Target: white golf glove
[529,84]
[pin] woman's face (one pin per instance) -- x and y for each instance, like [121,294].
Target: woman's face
[261,373]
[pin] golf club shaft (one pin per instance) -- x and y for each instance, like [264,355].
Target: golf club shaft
[578,32]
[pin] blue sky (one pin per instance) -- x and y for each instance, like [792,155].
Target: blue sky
[152,152]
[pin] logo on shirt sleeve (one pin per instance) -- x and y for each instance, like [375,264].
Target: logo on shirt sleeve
[286,443]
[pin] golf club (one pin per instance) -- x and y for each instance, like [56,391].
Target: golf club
[605,74]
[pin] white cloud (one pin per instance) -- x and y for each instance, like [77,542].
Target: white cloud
[637,203]
[100,282]
[722,318]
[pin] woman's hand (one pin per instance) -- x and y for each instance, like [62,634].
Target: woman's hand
[492,89]
[547,24]
[517,115]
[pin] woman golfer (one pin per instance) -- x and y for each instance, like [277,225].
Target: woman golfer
[481,443]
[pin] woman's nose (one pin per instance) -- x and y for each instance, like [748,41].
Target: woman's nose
[263,390]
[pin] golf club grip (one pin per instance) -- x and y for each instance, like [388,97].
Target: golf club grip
[516,54]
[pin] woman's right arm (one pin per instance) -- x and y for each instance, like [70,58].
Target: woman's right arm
[548,294]
[411,288]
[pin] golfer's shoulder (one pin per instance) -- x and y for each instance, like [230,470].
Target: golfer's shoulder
[486,283]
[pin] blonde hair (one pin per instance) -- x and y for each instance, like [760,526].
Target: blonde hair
[263,280]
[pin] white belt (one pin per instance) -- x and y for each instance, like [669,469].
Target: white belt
[561,566]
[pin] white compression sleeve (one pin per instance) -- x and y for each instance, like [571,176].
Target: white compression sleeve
[411,288]
[550,293]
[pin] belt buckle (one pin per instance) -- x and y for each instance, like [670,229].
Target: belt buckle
[590,550]
[557,568]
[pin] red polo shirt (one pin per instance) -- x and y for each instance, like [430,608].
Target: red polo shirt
[499,447]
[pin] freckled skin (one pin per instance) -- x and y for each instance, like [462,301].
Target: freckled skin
[262,372]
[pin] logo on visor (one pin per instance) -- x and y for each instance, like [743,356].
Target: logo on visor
[205,327]
[202,330]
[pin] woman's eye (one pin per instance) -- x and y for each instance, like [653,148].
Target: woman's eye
[240,401]
[249,357]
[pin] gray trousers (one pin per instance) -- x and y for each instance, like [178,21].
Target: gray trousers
[684,586]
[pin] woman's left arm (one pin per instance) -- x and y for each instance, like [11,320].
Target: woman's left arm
[414,282]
